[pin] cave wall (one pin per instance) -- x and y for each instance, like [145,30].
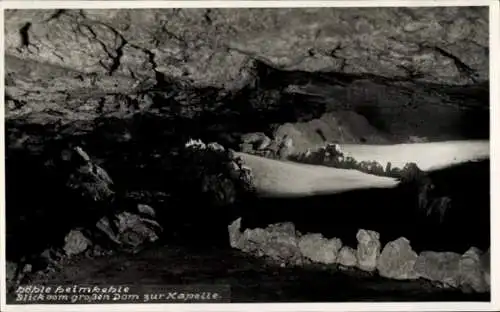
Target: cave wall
[212,46]
[422,71]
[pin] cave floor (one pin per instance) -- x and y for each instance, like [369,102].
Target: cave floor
[251,279]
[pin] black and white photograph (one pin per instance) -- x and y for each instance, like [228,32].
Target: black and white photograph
[218,154]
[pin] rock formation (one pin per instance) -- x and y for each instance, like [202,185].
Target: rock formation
[368,250]
[347,257]
[441,267]
[397,260]
[471,271]
[98,220]
[282,244]
[319,249]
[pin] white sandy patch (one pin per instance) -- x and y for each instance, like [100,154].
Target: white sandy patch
[428,156]
[284,178]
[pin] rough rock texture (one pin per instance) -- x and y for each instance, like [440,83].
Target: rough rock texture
[133,230]
[96,217]
[278,242]
[368,249]
[234,230]
[251,142]
[472,271]
[347,257]
[397,260]
[213,46]
[222,174]
[439,266]
[345,127]
[485,261]
[67,69]
[319,249]
[75,243]
[88,178]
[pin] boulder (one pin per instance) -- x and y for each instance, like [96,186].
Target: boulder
[255,141]
[347,257]
[368,249]
[252,241]
[234,233]
[278,242]
[319,249]
[133,230]
[440,267]
[397,260]
[282,243]
[140,230]
[75,243]
[88,179]
[471,271]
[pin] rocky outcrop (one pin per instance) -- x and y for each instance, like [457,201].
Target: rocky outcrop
[73,71]
[340,126]
[103,219]
[99,217]
[221,173]
[212,46]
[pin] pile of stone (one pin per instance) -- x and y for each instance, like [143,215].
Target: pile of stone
[102,224]
[332,155]
[214,171]
[107,225]
[261,145]
[282,244]
[130,233]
